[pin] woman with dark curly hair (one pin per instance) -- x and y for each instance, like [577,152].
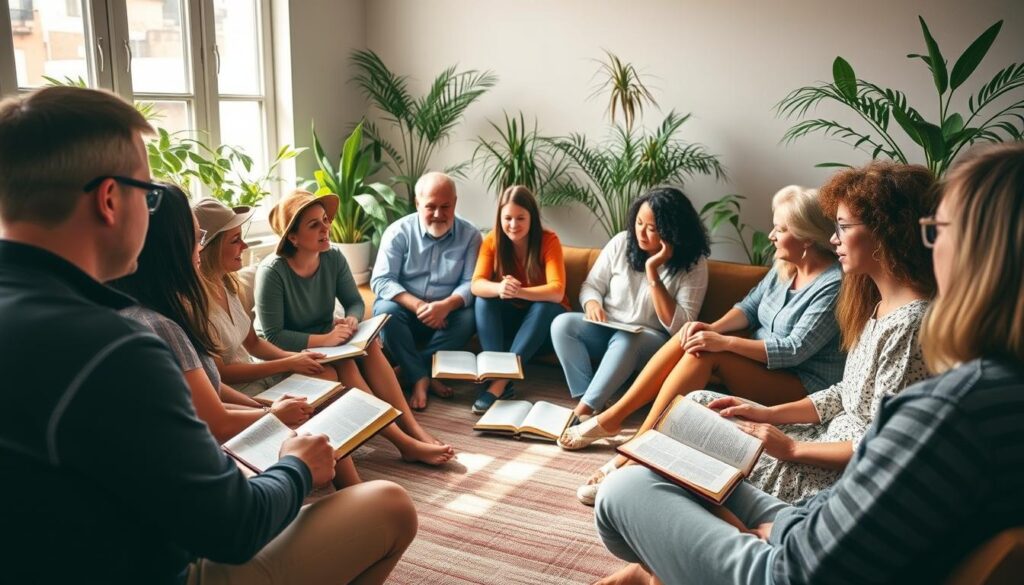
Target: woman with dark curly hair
[653,275]
[794,349]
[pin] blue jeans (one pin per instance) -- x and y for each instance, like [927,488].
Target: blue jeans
[532,325]
[644,518]
[577,342]
[403,331]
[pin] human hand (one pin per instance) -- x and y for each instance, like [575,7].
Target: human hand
[706,340]
[350,321]
[305,362]
[595,312]
[508,288]
[291,411]
[776,443]
[315,452]
[338,335]
[659,258]
[433,315]
[689,328]
[732,407]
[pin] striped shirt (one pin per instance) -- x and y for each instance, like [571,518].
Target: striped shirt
[940,471]
[799,327]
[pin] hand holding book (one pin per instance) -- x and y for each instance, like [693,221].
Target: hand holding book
[315,451]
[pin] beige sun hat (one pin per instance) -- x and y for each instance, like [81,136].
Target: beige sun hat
[215,217]
[287,211]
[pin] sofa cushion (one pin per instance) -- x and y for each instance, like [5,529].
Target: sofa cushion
[1000,561]
[728,283]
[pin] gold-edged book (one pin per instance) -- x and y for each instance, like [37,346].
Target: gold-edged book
[348,422]
[521,419]
[316,391]
[696,448]
[487,365]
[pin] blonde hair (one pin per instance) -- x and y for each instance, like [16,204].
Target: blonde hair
[210,266]
[805,220]
[981,311]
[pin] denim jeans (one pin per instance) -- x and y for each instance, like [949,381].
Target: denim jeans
[621,353]
[644,518]
[532,325]
[403,331]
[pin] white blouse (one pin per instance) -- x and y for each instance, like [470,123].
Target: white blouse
[231,329]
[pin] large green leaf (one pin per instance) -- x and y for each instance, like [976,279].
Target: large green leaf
[935,60]
[845,78]
[952,126]
[971,57]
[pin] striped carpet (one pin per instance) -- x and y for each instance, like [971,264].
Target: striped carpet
[506,511]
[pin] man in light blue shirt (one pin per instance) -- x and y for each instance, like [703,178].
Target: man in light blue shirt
[422,278]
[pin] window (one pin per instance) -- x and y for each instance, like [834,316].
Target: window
[202,65]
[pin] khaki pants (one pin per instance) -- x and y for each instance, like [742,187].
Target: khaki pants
[356,535]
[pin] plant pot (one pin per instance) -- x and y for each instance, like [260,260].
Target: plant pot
[358,258]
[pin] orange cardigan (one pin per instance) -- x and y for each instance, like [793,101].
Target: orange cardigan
[550,255]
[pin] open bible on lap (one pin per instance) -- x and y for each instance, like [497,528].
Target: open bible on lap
[348,422]
[696,448]
[364,335]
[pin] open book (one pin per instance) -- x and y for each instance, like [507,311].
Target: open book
[348,422]
[696,448]
[463,365]
[519,418]
[365,333]
[619,326]
[314,390]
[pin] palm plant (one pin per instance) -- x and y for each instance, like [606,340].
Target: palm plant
[726,211]
[626,89]
[366,208]
[990,117]
[607,177]
[422,123]
[520,156]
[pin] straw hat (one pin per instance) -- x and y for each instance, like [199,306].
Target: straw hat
[215,217]
[287,211]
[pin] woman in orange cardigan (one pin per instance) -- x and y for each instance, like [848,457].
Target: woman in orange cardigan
[519,283]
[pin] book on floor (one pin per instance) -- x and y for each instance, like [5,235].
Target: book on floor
[696,448]
[619,326]
[521,419]
[356,346]
[315,390]
[348,422]
[487,365]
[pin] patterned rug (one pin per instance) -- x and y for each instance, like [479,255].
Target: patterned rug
[506,510]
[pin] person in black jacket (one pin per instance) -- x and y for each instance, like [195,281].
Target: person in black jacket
[109,476]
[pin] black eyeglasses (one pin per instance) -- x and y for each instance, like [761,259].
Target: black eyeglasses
[154,192]
[930,230]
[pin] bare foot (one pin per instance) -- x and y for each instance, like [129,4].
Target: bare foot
[438,388]
[418,399]
[423,435]
[429,453]
[631,574]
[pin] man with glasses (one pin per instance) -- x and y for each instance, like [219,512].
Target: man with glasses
[107,469]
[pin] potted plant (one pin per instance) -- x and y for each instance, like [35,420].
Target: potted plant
[726,211]
[520,156]
[366,208]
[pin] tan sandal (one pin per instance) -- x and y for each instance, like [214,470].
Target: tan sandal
[579,436]
[587,493]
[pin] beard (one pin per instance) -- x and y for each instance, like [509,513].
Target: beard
[437,229]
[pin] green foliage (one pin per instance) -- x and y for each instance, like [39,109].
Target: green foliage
[726,211]
[626,90]
[366,208]
[606,177]
[423,123]
[520,156]
[147,109]
[226,171]
[987,119]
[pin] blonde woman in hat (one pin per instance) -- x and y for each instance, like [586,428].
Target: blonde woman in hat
[220,258]
[295,293]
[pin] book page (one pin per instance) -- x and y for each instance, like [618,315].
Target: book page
[619,326]
[260,443]
[299,386]
[547,417]
[704,429]
[338,352]
[456,362]
[345,417]
[505,413]
[365,331]
[498,364]
[683,461]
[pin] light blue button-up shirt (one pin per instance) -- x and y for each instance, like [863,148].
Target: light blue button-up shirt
[411,260]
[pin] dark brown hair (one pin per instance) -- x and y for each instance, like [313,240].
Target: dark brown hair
[505,253]
[888,198]
[55,140]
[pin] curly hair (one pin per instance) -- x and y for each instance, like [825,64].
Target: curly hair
[677,222]
[889,199]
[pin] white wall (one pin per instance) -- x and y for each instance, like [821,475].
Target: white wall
[727,61]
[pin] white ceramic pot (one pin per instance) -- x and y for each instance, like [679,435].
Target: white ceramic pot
[358,258]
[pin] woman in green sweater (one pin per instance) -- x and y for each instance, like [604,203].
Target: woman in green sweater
[295,293]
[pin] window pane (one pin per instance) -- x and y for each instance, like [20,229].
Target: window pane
[173,116]
[238,42]
[49,39]
[241,124]
[159,63]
